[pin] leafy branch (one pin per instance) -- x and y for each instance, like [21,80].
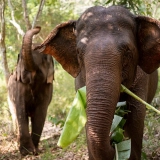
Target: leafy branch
[13,21]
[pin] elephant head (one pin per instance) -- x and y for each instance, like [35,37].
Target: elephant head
[104,47]
[29,63]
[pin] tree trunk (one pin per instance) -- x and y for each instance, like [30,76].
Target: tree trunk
[38,13]
[2,42]
[26,17]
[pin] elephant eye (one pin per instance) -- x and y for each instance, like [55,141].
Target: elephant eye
[126,52]
[127,57]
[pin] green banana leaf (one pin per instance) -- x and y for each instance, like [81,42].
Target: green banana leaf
[76,119]
[115,123]
[123,150]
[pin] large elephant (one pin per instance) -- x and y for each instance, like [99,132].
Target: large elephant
[104,48]
[30,90]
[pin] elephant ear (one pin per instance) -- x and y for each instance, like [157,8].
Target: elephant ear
[148,43]
[61,44]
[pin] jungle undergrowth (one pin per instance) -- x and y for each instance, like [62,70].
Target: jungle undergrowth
[151,135]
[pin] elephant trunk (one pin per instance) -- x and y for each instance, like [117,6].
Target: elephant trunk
[27,49]
[103,80]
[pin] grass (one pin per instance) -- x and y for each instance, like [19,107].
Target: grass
[151,137]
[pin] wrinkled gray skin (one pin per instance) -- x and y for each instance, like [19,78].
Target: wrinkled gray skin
[104,48]
[29,93]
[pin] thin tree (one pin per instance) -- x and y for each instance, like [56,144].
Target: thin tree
[2,42]
[25,14]
[38,13]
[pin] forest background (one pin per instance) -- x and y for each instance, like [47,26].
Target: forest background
[17,16]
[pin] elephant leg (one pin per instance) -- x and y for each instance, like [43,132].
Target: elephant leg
[135,120]
[40,112]
[26,144]
[37,124]
[134,128]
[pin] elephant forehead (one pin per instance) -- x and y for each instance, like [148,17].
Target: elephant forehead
[108,16]
[87,15]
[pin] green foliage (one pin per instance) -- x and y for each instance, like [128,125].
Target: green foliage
[54,12]
[121,109]
[143,7]
[56,121]
[121,143]
[63,93]
[117,135]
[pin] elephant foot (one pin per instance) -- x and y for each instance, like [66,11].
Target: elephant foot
[27,149]
[37,151]
[103,154]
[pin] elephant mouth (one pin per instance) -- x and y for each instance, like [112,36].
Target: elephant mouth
[127,80]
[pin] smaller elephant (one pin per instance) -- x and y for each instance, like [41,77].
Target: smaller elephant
[30,90]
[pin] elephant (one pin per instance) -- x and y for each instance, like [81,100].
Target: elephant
[30,89]
[104,48]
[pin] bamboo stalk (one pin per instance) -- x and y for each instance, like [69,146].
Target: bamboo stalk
[116,150]
[124,89]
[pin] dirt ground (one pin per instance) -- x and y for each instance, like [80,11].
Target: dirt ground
[48,147]
[76,151]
